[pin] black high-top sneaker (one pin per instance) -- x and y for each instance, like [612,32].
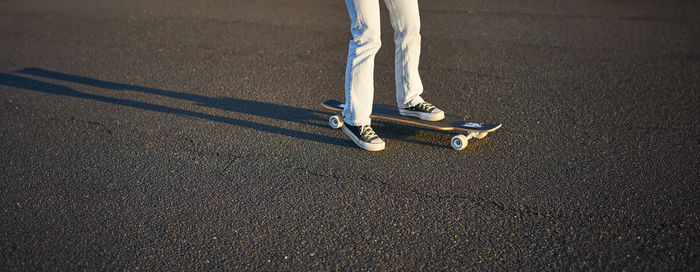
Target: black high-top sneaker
[425,111]
[364,137]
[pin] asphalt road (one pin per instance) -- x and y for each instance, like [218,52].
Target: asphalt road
[169,135]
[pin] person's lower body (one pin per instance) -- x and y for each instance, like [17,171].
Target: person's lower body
[359,72]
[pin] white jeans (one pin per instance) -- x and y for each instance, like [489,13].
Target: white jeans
[359,73]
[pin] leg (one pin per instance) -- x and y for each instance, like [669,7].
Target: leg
[359,72]
[406,23]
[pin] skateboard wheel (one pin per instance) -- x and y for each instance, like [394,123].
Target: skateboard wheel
[336,121]
[480,135]
[459,142]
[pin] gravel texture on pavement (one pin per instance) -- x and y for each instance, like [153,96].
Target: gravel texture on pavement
[189,135]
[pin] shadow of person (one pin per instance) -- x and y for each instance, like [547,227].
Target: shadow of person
[262,109]
[279,112]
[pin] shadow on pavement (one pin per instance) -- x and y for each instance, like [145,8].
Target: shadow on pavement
[268,110]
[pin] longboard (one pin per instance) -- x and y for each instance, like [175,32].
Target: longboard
[450,123]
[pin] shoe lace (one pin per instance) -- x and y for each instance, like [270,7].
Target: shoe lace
[368,133]
[425,107]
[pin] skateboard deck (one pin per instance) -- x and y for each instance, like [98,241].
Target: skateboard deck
[450,123]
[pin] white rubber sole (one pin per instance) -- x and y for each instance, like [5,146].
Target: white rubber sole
[364,145]
[423,115]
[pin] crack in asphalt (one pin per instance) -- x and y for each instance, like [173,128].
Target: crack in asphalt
[95,123]
[523,210]
[289,163]
[233,161]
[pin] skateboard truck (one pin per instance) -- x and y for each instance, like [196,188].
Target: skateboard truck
[460,141]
